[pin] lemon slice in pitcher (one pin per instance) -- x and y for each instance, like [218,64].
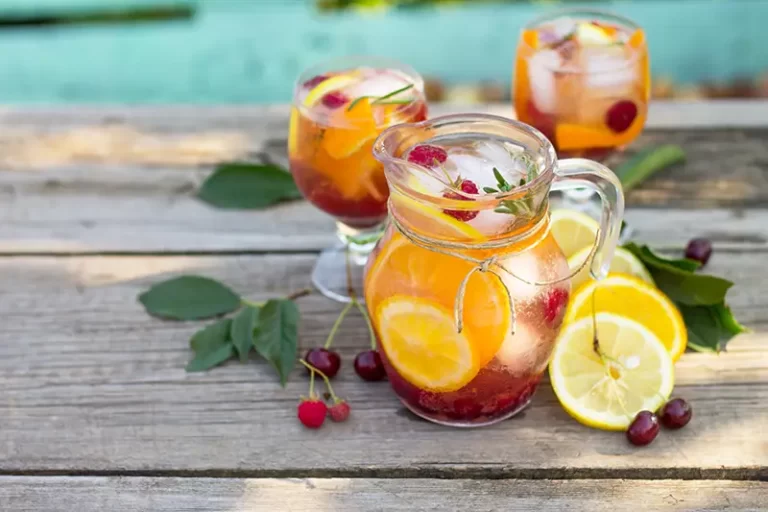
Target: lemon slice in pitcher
[632,371]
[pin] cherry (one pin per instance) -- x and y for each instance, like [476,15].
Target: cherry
[327,361]
[468,187]
[339,411]
[312,413]
[676,413]
[699,249]
[334,99]
[368,365]
[426,155]
[314,81]
[620,116]
[643,429]
[554,306]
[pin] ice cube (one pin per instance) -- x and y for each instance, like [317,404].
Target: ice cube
[470,167]
[541,74]
[527,351]
[608,68]
[377,83]
[509,163]
[526,268]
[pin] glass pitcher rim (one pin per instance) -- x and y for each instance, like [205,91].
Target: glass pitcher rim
[545,176]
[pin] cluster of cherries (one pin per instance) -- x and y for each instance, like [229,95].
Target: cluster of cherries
[677,412]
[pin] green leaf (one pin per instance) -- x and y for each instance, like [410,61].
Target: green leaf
[248,186]
[207,360]
[710,328]
[676,279]
[276,337]
[648,162]
[211,336]
[241,332]
[189,298]
[212,346]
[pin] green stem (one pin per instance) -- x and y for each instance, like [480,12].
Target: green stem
[336,325]
[367,322]
[293,296]
[314,370]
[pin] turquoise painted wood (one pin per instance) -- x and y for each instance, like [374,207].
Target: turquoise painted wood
[250,51]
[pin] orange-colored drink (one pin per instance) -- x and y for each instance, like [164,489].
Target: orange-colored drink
[582,78]
[338,111]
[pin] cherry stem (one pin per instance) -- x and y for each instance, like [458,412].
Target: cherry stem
[353,301]
[293,296]
[314,370]
[336,325]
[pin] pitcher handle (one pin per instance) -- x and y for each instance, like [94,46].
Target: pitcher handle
[582,173]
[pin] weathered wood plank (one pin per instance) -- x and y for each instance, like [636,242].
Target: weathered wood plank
[95,494]
[125,210]
[90,383]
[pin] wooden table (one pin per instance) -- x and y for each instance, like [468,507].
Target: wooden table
[97,413]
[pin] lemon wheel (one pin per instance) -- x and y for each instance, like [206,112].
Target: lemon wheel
[631,372]
[623,262]
[573,230]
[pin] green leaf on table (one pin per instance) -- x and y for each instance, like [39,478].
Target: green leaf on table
[212,346]
[248,186]
[241,332]
[276,337]
[710,328]
[646,163]
[189,298]
[676,278]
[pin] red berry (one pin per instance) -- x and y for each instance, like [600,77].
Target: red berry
[699,249]
[314,81]
[339,411]
[643,429]
[554,306]
[426,155]
[620,116]
[468,187]
[312,413]
[334,99]
[368,365]
[327,361]
[676,413]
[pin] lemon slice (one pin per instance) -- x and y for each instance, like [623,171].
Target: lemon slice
[573,230]
[623,262]
[420,340]
[635,299]
[426,218]
[332,84]
[633,372]
[589,34]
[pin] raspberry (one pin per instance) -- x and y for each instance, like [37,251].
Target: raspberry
[468,187]
[314,81]
[312,413]
[339,411]
[334,99]
[426,155]
[620,116]
[554,306]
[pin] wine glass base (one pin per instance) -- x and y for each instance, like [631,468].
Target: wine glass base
[330,273]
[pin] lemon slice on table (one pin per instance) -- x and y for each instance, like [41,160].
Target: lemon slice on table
[332,84]
[635,299]
[623,262]
[632,372]
[420,340]
[573,230]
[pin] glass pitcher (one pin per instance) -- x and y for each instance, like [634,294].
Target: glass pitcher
[467,288]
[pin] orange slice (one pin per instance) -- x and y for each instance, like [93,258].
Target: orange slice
[421,342]
[350,130]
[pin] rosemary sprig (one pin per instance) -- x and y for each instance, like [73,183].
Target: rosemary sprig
[381,100]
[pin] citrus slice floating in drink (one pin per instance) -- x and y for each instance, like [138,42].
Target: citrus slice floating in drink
[420,340]
[573,230]
[351,128]
[635,299]
[623,262]
[632,371]
[333,83]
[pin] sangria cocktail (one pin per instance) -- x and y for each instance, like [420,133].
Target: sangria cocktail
[339,109]
[582,79]
[467,289]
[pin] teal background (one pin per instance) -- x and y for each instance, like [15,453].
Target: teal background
[250,51]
